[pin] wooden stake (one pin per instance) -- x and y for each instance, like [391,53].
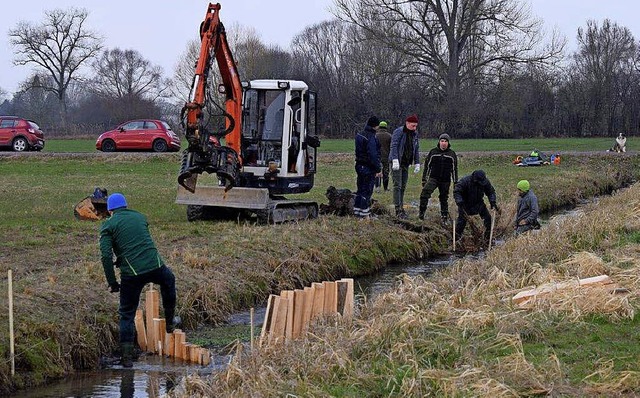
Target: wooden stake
[279,320]
[347,307]
[308,308]
[268,316]
[318,299]
[152,310]
[141,330]
[288,330]
[12,352]
[251,324]
[298,312]
[169,345]
[179,339]
[330,298]
[454,234]
[493,222]
[159,326]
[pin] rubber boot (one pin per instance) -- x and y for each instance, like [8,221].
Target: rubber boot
[127,355]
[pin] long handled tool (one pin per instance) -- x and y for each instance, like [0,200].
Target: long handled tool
[454,235]
[493,223]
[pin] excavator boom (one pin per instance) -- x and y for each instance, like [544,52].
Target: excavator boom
[204,153]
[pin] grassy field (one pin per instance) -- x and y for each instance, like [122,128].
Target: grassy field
[65,318]
[547,145]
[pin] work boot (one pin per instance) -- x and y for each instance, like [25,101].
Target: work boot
[445,221]
[173,324]
[127,355]
[421,213]
[402,215]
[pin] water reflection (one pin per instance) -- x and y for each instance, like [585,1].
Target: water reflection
[151,377]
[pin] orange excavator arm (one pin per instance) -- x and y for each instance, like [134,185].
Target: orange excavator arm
[204,153]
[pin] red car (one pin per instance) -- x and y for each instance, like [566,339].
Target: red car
[20,134]
[139,135]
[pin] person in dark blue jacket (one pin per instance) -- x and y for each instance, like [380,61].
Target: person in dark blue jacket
[368,166]
[469,195]
[404,152]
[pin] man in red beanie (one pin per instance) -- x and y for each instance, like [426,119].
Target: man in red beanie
[404,153]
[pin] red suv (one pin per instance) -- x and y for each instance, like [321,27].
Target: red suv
[139,135]
[20,134]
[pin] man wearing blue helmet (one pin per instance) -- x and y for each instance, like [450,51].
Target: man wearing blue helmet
[126,235]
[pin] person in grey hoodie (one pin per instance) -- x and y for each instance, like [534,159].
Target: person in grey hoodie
[404,152]
[527,214]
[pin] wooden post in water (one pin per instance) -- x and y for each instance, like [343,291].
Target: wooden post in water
[12,352]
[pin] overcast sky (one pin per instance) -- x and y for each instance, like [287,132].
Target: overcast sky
[160,29]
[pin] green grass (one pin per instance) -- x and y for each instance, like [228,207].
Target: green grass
[546,145]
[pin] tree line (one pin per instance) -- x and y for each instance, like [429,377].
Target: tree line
[473,69]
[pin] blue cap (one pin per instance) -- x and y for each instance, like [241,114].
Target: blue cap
[116,201]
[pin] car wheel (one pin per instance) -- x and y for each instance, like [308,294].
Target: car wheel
[159,145]
[108,146]
[20,144]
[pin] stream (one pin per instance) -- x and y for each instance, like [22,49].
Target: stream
[153,376]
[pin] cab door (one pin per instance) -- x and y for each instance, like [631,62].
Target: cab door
[7,131]
[130,135]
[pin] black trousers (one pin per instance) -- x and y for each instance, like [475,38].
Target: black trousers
[461,222]
[130,289]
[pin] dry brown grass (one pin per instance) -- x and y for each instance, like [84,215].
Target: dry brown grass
[457,333]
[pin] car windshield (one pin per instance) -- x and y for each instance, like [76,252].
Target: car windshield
[166,125]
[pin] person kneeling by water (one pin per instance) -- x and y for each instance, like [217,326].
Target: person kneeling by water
[527,214]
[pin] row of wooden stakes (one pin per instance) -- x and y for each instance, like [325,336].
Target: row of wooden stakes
[288,315]
[152,336]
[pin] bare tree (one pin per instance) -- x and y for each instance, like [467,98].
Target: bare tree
[123,74]
[453,43]
[606,63]
[60,45]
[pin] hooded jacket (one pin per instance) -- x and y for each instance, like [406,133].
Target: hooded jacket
[368,150]
[527,208]
[469,193]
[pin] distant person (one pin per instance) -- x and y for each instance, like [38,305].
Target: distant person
[527,214]
[368,166]
[403,153]
[384,138]
[440,169]
[469,195]
[126,235]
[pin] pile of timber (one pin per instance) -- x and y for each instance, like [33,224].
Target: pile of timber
[289,314]
[153,338]
[525,297]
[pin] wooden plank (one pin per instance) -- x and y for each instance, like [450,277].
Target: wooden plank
[141,330]
[268,318]
[596,280]
[318,299]
[152,310]
[298,312]
[308,308]
[330,298]
[186,351]
[349,299]
[288,330]
[277,333]
[159,325]
[526,295]
[179,338]
[206,357]
[169,345]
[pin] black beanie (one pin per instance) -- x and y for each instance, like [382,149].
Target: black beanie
[373,121]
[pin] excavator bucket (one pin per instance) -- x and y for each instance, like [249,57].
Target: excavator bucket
[93,207]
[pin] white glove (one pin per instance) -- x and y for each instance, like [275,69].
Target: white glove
[416,169]
[395,164]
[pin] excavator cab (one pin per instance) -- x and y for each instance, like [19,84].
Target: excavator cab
[278,152]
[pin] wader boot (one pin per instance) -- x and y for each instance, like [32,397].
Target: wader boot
[127,355]
[421,213]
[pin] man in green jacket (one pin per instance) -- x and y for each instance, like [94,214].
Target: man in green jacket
[126,235]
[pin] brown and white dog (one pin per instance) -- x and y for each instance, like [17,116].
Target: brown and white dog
[620,144]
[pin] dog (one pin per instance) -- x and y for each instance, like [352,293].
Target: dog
[620,145]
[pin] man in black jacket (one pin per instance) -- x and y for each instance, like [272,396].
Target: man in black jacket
[441,167]
[469,195]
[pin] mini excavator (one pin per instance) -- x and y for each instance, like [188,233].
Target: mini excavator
[265,148]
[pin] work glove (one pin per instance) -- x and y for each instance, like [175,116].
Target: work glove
[494,206]
[416,169]
[395,165]
[114,287]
